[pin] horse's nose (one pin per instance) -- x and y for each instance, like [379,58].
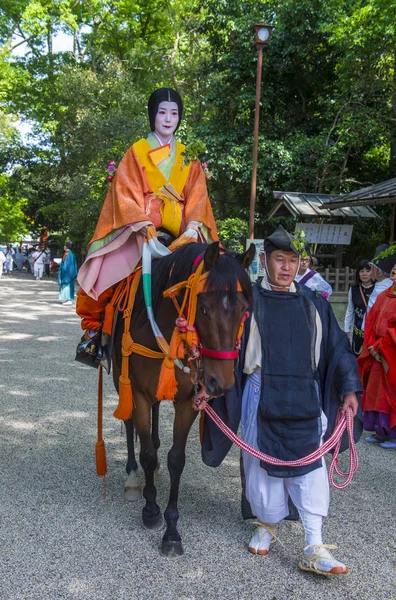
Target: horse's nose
[213,387]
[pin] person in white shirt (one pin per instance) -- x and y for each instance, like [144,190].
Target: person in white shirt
[2,261]
[9,261]
[314,281]
[39,257]
[381,267]
[358,298]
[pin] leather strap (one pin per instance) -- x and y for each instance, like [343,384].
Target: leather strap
[362,295]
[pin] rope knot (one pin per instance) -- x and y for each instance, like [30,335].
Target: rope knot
[182,324]
[127,343]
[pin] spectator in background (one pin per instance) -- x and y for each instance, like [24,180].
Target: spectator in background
[358,297]
[381,267]
[2,261]
[38,263]
[30,260]
[377,362]
[47,263]
[19,259]
[314,263]
[308,276]
[9,261]
[66,275]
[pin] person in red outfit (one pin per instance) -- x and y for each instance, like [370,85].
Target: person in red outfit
[377,364]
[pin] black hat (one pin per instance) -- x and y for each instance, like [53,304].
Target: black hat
[163,95]
[280,240]
[385,258]
[69,245]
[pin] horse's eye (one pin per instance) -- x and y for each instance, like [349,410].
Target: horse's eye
[203,310]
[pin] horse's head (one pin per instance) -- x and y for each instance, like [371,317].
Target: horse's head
[221,309]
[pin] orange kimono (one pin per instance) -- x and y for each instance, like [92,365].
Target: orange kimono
[133,202]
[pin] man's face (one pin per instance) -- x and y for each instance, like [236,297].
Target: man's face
[166,120]
[304,264]
[281,268]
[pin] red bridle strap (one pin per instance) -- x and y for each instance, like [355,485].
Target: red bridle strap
[218,354]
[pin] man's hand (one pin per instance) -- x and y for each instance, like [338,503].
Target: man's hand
[350,400]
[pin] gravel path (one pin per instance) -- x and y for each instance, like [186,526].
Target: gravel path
[61,541]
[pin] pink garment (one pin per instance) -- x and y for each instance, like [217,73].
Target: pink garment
[113,262]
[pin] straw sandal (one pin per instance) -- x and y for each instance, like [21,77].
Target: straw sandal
[321,561]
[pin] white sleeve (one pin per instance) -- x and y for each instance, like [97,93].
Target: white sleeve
[320,284]
[349,315]
[372,299]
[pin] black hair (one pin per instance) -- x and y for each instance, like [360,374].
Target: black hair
[362,264]
[163,95]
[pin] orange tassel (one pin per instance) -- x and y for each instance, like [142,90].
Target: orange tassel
[167,384]
[108,319]
[100,455]
[125,399]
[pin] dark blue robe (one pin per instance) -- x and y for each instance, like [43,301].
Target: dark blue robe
[336,376]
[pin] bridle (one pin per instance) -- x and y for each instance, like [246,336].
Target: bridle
[185,331]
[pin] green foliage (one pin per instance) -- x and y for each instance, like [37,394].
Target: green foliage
[12,218]
[233,233]
[328,102]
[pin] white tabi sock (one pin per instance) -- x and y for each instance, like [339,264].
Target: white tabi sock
[313,529]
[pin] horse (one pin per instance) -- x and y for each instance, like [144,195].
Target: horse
[220,309]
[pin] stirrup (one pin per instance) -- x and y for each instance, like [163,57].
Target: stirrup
[321,561]
[89,350]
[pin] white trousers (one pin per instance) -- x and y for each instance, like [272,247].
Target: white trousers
[38,269]
[268,496]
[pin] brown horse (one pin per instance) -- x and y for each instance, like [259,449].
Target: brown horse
[220,309]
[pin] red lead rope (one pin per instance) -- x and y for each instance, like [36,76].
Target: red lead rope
[344,421]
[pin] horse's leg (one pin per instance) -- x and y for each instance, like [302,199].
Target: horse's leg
[155,430]
[132,489]
[151,514]
[154,425]
[184,418]
[130,434]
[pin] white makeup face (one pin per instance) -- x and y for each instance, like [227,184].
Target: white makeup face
[166,120]
[393,274]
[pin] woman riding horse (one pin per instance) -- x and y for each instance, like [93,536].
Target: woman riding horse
[152,188]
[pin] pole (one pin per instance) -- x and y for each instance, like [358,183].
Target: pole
[392,236]
[255,142]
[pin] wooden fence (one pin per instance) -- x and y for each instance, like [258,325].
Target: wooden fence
[339,279]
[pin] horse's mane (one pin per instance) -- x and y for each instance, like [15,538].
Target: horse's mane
[178,266]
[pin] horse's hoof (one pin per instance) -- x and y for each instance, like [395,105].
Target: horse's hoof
[171,548]
[132,489]
[153,523]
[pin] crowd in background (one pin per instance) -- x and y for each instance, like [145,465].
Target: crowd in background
[36,260]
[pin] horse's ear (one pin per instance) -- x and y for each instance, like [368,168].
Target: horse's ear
[211,256]
[247,257]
